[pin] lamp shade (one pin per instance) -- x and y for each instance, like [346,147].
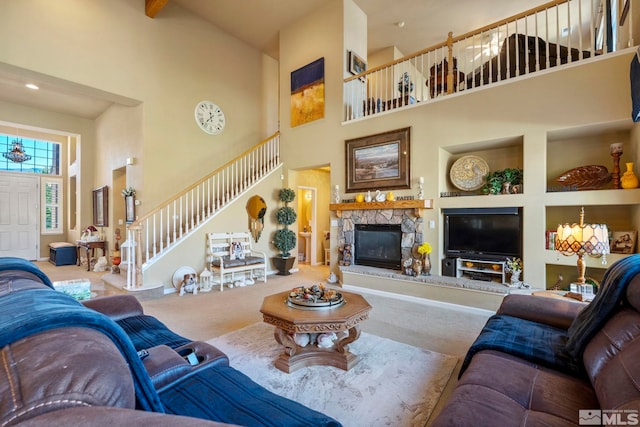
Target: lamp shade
[590,239]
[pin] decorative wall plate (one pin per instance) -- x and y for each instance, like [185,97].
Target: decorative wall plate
[468,173]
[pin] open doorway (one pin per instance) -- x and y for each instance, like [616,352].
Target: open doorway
[307,206]
[317,183]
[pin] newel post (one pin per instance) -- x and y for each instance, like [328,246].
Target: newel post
[450,68]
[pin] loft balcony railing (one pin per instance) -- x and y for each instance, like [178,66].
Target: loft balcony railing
[160,230]
[552,35]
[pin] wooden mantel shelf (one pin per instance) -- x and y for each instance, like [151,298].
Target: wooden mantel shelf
[418,205]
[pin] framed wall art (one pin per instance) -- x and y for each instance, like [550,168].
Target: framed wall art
[307,93]
[357,65]
[101,207]
[380,161]
[623,242]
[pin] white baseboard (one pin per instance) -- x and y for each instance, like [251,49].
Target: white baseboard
[418,300]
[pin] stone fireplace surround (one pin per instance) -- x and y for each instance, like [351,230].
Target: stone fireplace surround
[410,225]
[412,233]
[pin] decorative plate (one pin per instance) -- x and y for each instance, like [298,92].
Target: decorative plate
[468,173]
[178,276]
[314,298]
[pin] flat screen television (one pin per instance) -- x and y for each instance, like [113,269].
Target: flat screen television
[484,233]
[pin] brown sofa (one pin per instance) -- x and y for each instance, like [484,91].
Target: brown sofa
[503,388]
[65,363]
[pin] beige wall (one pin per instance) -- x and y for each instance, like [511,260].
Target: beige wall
[168,64]
[192,252]
[528,111]
[156,70]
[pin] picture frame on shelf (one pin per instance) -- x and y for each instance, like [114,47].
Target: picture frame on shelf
[357,65]
[378,162]
[101,206]
[623,242]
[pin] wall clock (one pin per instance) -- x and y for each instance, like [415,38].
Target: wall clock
[210,117]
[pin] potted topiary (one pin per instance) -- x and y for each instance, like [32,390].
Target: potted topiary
[284,239]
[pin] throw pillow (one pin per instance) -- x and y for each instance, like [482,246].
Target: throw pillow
[236,250]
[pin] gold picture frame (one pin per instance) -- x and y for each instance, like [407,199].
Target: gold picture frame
[379,162]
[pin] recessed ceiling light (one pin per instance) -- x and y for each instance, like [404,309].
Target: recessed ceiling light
[400,24]
[32,86]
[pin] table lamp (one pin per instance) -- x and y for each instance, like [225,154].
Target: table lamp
[580,239]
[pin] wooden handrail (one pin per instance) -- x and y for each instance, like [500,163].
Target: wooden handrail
[455,39]
[175,197]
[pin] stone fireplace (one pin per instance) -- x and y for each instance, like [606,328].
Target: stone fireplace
[378,245]
[410,228]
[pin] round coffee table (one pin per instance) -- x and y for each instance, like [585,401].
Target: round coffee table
[289,321]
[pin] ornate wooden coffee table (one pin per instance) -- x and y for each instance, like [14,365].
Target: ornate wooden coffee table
[342,320]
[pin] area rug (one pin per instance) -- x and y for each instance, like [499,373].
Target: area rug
[393,384]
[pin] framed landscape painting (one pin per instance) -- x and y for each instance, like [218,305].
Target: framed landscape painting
[380,161]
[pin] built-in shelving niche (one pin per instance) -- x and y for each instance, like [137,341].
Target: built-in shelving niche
[499,154]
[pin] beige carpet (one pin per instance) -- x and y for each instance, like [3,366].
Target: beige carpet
[393,384]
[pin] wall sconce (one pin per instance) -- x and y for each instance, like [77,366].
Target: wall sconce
[580,239]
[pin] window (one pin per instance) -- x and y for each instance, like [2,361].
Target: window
[51,206]
[45,156]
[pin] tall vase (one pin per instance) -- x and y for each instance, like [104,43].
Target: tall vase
[515,277]
[629,179]
[426,265]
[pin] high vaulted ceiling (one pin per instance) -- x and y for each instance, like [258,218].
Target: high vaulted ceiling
[258,22]
[426,22]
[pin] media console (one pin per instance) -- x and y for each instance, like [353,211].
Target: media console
[485,270]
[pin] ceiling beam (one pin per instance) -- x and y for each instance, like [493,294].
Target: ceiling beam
[152,7]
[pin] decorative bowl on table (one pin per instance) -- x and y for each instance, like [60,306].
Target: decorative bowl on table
[314,297]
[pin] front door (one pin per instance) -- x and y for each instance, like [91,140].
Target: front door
[19,216]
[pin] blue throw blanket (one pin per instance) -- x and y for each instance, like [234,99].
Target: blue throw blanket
[20,264]
[604,305]
[30,311]
[553,347]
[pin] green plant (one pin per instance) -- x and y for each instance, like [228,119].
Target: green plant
[494,180]
[514,264]
[284,239]
[287,195]
[286,215]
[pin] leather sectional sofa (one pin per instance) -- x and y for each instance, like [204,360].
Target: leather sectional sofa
[107,363]
[552,362]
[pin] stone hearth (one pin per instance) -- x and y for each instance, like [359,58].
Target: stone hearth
[411,225]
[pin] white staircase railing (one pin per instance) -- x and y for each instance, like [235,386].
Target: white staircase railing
[161,229]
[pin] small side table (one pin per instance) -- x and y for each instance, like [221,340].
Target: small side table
[90,250]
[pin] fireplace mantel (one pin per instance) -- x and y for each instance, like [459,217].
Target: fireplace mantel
[418,205]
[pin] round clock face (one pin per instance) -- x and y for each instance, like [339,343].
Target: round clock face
[210,117]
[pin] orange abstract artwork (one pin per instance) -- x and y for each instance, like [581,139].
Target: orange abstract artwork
[307,93]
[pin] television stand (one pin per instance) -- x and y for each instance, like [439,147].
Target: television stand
[485,270]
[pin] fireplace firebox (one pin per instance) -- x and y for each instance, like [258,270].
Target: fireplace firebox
[378,245]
